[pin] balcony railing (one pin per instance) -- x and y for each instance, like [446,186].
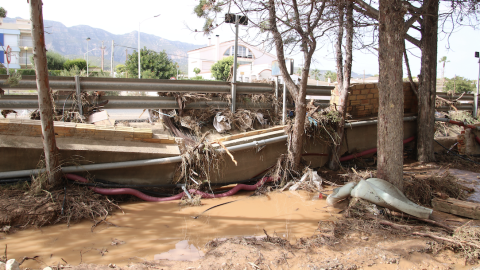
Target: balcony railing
[21,60]
[26,42]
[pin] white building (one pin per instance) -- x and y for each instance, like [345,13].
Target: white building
[18,36]
[254,63]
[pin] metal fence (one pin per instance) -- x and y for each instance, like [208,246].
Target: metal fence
[80,84]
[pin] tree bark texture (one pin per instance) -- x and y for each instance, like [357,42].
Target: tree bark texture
[299,93]
[390,88]
[344,72]
[427,83]
[44,94]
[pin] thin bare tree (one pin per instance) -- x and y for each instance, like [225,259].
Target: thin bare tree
[52,164]
[290,26]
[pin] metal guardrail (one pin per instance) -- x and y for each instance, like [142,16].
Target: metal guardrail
[467,101]
[79,84]
[12,102]
[151,85]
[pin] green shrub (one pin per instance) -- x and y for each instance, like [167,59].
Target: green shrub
[26,72]
[459,85]
[3,71]
[54,72]
[79,63]
[55,61]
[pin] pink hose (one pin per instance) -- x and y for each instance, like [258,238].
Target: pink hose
[458,123]
[370,151]
[463,124]
[122,191]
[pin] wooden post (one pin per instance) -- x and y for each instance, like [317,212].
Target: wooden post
[45,102]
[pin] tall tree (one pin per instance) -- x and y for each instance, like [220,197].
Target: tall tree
[443,61]
[390,89]
[3,12]
[424,18]
[290,25]
[427,81]
[221,69]
[44,94]
[344,73]
[158,64]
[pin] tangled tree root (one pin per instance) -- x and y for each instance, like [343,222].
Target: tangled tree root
[21,210]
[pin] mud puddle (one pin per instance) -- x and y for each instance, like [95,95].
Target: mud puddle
[146,231]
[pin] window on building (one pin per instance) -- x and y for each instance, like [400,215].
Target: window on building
[243,52]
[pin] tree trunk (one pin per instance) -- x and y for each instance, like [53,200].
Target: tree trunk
[390,88]
[427,83]
[52,165]
[344,72]
[296,144]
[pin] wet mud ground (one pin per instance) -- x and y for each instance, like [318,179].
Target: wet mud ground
[301,236]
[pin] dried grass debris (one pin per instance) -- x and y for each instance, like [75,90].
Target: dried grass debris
[422,190]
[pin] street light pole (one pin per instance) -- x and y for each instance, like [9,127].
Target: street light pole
[139,69]
[88,39]
[234,82]
[26,56]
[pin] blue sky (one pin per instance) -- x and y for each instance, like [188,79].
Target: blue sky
[121,16]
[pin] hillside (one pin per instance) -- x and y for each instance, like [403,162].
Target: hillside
[71,42]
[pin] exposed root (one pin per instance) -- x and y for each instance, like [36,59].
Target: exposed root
[196,200]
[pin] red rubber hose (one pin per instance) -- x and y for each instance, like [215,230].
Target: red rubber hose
[458,123]
[370,151]
[121,191]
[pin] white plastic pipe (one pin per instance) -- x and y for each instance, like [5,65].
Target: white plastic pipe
[135,163]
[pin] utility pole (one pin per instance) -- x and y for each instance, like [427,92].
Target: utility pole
[236,19]
[52,164]
[103,50]
[112,70]
[126,58]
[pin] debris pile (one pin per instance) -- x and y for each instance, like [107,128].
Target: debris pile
[90,105]
[222,119]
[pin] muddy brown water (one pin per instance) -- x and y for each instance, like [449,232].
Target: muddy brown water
[147,231]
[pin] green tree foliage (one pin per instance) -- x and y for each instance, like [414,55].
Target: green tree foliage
[221,69]
[316,74]
[3,12]
[331,75]
[205,9]
[148,74]
[196,70]
[160,66]
[79,63]
[55,61]
[459,85]
[120,68]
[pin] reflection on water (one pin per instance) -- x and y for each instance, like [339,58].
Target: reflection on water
[147,229]
[182,252]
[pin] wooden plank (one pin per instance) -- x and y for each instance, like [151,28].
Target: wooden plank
[250,133]
[457,207]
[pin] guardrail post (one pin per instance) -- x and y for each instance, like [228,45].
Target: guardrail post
[79,94]
[284,112]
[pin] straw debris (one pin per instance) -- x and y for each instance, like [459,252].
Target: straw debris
[422,190]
